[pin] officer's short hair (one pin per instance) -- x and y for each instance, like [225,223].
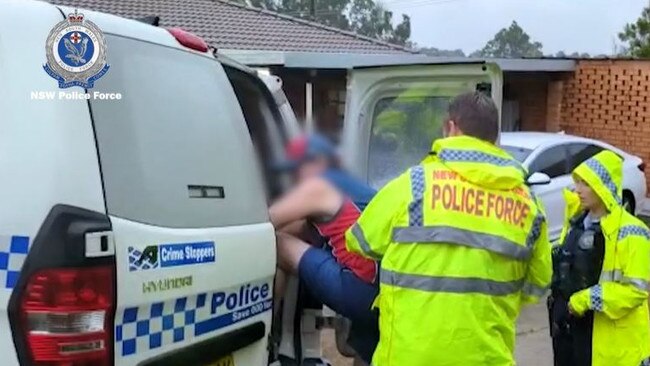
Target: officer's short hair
[476,115]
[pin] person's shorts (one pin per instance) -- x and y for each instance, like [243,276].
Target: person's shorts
[345,293]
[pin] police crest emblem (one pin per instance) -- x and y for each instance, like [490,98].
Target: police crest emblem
[76,52]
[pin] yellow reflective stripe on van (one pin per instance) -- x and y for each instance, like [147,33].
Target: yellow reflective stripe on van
[463,237]
[458,285]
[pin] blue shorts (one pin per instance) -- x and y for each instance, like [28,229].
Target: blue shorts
[345,293]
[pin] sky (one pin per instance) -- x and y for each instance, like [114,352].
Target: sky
[560,25]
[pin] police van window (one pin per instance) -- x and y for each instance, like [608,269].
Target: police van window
[580,152]
[403,129]
[264,124]
[177,132]
[552,162]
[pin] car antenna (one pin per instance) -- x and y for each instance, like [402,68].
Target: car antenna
[151,19]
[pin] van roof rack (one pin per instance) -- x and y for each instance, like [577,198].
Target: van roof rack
[151,20]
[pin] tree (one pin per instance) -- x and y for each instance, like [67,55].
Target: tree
[637,36]
[511,42]
[366,17]
[432,51]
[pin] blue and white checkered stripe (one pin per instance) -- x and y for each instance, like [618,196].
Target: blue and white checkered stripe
[628,230]
[473,156]
[596,295]
[604,177]
[535,230]
[13,251]
[416,210]
[141,329]
[645,362]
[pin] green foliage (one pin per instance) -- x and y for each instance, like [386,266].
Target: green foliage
[432,51]
[637,36]
[366,17]
[511,42]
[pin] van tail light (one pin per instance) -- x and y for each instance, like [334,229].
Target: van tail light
[189,40]
[67,316]
[642,166]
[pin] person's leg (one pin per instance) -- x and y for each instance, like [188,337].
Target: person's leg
[289,252]
[345,293]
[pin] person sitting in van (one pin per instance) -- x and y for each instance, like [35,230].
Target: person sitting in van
[327,200]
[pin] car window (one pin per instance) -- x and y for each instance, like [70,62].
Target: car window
[580,152]
[403,129]
[264,124]
[519,153]
[552,162]
[175,150]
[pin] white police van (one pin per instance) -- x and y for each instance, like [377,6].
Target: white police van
[133,231]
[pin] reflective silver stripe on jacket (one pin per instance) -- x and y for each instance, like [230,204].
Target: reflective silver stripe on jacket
[357,231]
[534,290]
[604,177]
[463,237]
[617,276]
[416,210]
[450,284]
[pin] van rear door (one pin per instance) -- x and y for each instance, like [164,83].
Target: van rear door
[195,252]
[393,113]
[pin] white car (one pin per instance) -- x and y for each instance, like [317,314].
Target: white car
[551,157]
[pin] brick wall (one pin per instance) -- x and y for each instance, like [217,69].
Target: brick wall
[530,90]
[610,101]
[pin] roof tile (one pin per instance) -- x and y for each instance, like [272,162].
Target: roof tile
[228,25]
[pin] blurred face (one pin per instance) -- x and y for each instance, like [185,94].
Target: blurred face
[588,198]
[311,168]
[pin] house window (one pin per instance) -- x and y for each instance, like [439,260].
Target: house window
[336,99]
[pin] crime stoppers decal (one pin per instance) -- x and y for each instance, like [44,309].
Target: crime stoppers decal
[171,255]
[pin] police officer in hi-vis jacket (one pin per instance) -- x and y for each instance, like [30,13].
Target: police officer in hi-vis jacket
[598,307]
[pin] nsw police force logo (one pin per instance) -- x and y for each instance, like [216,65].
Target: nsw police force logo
[76,52]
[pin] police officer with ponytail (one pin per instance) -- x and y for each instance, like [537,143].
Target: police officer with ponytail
[598,307]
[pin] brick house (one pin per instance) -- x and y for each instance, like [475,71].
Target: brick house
[607,100]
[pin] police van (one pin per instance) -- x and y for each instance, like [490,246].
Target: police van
[134,228]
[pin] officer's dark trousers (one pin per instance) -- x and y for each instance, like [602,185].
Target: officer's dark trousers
[572,344]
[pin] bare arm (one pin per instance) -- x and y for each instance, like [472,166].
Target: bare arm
[311,197]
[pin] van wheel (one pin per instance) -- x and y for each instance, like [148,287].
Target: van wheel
[628,202]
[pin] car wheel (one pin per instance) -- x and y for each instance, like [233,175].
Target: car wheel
[628,202]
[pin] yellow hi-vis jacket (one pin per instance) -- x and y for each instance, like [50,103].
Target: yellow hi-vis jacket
[621,335]
[462,245]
